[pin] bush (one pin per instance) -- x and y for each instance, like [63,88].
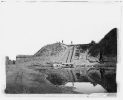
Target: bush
[56,78]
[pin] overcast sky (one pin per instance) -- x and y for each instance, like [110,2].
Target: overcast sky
[26,27]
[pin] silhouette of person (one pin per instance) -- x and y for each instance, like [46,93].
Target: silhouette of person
[62,41]
[71,42]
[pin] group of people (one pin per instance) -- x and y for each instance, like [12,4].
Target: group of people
[63,42]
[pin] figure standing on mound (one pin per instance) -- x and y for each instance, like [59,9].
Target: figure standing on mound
[62,41]
[71,42]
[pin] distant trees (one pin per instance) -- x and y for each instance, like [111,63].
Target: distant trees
[93,42]
[8,61]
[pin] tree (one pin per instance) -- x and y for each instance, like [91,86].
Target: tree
[93,42]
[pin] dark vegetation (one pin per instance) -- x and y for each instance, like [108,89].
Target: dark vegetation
[85,47]
[57,78]
[108,80]
[107,46]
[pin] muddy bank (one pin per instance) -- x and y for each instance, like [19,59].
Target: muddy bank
[21,80]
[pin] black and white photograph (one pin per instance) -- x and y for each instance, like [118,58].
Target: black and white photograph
[60,47]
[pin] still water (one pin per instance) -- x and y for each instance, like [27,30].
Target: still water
[86,87]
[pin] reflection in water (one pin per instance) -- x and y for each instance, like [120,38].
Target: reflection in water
[86,87]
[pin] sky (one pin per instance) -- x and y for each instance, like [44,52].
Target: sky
[27,27]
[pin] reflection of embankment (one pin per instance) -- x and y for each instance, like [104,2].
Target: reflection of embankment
[107,80]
